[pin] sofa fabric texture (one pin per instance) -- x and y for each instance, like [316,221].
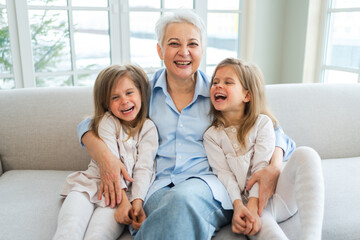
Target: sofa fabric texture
[39,148]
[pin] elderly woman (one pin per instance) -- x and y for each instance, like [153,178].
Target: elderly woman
[186,200]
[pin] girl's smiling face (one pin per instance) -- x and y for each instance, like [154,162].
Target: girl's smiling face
[227,93]
[181,50]
[125,99]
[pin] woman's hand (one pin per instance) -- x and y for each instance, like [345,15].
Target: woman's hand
[137,214]
[267,179]
[123,211]
[242,221]
[111,169]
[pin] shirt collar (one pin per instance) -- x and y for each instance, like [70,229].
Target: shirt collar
[201,87]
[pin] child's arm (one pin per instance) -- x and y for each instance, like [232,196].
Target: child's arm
[123,211]
[107,130]
[252,205]
[138,215]
[219,164]
[144,167]
[263,151]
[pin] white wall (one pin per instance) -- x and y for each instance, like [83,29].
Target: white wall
[279,39]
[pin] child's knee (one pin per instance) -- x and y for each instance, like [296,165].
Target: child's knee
[306,155]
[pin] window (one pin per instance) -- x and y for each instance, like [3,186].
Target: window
[7,80]
[341,59]
[67,42]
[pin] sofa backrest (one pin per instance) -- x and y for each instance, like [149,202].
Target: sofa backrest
[325,117]
[38,128]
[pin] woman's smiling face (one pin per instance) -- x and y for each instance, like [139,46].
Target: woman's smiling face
[181,50]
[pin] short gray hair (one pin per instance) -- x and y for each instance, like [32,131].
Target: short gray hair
[180,16]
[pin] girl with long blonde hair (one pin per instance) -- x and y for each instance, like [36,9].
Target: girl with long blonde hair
[240,142]
[119,119]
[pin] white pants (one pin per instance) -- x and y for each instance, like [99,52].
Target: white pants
[300,188]
[80,219]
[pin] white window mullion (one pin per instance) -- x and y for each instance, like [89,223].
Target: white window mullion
[201,9]
[115,35]
[124,31]
[27,64]
[247,31]
[14,42]
[72,43]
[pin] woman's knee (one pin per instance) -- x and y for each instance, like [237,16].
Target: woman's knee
[190,192]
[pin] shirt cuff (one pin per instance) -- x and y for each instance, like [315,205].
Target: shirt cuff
[284,142]
[83,127]
[235,195]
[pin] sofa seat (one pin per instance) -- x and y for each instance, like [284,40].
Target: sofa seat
[32,196]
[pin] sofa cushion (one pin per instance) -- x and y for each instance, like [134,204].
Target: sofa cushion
[30,203]
[342,198]
[321,116]
[38,128]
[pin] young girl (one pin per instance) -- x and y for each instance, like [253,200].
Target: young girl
[120,121]
[240,142]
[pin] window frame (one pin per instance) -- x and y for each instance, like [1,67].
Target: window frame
[21,47]
[326,13]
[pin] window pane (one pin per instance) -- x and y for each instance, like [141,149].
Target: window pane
[7,83]
[222,36]
[50,40]
[47,2]
[5,52]
[332,76]
[210,70]
[91,39]
[145,3]
[343,48]
[90,3]
[3,2]
[223,5]
[179,4]
[143,40]
[87,79]
[345,3]
[58,81]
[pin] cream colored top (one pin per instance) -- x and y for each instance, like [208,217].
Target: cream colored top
[233,165]
[137,153]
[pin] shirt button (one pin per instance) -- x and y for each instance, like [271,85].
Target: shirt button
[179,157]
[181,125]
[233,130]
[179,144]
[235,145]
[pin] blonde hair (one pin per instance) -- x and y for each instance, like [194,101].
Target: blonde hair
[252,80]
[104,84]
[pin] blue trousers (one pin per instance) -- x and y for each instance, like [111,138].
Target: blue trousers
[187,210]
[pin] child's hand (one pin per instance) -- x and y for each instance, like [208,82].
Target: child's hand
[253,208]
[123,211]
[137,214]
[242,221]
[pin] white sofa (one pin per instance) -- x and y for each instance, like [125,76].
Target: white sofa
[39,148]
